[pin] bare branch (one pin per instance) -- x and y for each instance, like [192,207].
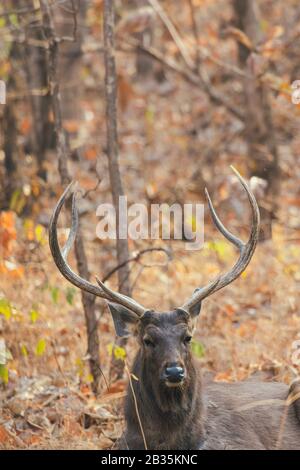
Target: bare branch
[136,258]
[112,136]
[188,75]
[196,33]
[173,32]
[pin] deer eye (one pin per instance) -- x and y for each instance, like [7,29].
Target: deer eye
[149,343]
[187,339]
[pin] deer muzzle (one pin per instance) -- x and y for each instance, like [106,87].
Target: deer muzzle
[173,375]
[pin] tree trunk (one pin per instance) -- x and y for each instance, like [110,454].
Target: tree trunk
[113,157]
[10,135]
[260,132]
[63,152]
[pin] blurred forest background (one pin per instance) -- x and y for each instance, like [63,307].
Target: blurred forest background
[201,85]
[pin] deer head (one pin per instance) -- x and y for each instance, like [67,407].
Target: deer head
[163,338]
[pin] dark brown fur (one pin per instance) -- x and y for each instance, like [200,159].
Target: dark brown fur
[246,415]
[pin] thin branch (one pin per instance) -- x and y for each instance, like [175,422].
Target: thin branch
[89,191]
[207,55]
[20,11]
[136,406]
[26,11]
[136,258]
[139,273]
[196,33]
[74,13]
[173,32]
[191,77]
[200,78]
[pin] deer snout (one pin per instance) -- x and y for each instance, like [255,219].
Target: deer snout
[173,373]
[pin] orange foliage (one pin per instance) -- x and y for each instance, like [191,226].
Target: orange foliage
[8,232]
[8,235]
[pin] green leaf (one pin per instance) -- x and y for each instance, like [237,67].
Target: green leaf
[17,201]
[33,315]
[70,293]
[39,234]
[24,351]
[5,308]
[149,115]
[197,348]
[4,373]
[80,366]
[14,19]
[40,347]
[221,248]
[119,353]
[264,24]
[89,379]
[54,294]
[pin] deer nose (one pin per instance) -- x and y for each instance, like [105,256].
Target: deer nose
[174,373]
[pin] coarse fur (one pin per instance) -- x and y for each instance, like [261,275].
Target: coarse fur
[245,415]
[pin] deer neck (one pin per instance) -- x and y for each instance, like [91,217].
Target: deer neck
[174,414]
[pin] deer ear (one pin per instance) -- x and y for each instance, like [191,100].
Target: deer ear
[124,319]
[195,310]
[194,313]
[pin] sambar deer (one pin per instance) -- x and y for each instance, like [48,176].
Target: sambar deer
[168,407]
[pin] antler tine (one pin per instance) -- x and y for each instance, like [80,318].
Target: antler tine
[60,258]
[246,249]
[74,227]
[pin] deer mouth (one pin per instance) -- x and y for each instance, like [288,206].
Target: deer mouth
[174,384]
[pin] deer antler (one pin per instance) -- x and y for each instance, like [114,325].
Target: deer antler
[60,258]
[246,249]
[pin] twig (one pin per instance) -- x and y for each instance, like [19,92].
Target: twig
[136,258]
[53,344]
[282,426]
[206,54]
[134,282]
[136,406]
[200,82]
[201,78]
[196,33]
[73,12]
[89,191]
[20,11]
[173,32]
